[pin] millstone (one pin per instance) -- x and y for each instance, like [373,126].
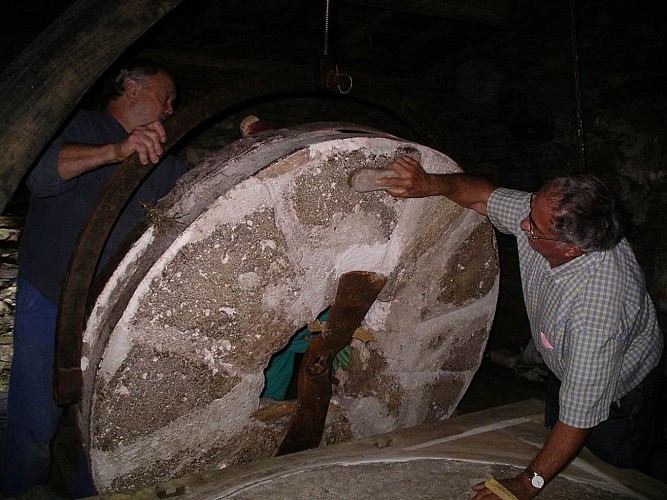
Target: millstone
[244,252]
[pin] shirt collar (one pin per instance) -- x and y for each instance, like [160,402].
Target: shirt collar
[583,267]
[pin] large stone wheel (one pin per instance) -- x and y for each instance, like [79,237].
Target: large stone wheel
[244,252]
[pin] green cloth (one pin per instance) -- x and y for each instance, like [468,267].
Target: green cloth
[278,373]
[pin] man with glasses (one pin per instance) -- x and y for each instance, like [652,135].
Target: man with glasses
[590,314]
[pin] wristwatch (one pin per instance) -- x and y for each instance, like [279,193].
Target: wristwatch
[535,479]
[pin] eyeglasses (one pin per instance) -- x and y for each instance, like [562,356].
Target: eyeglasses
[531,223]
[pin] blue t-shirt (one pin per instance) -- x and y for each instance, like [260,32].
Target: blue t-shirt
[58,209]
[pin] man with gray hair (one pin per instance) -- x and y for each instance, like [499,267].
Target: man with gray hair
[590,315]
[65,184]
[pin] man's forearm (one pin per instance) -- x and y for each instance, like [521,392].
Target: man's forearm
[413,181]
[562,445]
[466,190]
[76,159]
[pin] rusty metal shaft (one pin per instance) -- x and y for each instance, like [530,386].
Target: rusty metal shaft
[355,294]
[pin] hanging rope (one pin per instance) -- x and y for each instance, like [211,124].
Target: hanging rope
[577,89]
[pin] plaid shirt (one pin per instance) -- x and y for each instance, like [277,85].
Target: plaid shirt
[591,319]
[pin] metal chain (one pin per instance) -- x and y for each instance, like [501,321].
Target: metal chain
[577,89]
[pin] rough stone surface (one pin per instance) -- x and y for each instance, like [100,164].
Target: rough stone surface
[439,460]
[174,371]
[10,232]
[407,479]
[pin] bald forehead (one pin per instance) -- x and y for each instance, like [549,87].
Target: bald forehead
[551,196]
[164,79]
[161,82]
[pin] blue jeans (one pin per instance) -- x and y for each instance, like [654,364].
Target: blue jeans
[32,415]
[626,438]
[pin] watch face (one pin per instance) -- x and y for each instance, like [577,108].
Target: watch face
[537,481]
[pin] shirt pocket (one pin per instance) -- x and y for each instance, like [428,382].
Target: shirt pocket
[546,341]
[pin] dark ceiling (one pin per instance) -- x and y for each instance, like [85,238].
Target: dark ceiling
[449,55]
[205,41]
[397,37]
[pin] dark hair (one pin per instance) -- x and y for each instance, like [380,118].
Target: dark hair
[584,212]
[135,69]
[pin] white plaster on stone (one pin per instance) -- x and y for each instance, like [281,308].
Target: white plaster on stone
[377,315]
[116,351]
[368,417]
[191,431]
[249,281]
[99,309]
[325,149]
[229,311]
[356,257]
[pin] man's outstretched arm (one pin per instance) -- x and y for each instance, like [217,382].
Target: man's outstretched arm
[562,445]
[414,182]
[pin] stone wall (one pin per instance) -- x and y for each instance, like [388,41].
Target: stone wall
[11,224]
